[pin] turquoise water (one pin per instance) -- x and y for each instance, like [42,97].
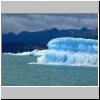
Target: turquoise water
[17,72]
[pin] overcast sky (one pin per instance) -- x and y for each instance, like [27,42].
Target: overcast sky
[36,22]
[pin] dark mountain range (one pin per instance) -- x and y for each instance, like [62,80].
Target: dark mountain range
[28,41]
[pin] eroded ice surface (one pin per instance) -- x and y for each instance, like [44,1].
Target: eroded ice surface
[71,51]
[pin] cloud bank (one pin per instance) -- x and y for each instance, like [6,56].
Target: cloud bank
[37,22]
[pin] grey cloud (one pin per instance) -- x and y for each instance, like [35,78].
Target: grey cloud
[36,22]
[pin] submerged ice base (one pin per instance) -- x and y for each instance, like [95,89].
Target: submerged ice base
[70,51]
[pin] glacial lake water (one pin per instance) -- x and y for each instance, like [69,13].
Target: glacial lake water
[17,72]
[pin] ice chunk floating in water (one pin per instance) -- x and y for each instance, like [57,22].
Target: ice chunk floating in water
[21,54]
[28,53]
[71,51]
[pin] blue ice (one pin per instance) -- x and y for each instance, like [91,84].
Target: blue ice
[73,51]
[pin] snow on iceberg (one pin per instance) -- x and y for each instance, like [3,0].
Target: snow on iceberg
[71,51]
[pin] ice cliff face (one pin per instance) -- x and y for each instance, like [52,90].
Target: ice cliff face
[73,51]
[74,45]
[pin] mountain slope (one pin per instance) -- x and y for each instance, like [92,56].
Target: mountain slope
[27,41]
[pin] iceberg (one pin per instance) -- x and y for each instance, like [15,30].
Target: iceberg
[70,51]
[35,52]
[21,54]
[66,51]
